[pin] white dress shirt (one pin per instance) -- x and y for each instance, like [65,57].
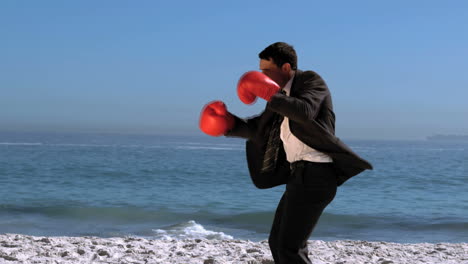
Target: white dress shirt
[295,149]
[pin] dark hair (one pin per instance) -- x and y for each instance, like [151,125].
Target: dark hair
[281,53]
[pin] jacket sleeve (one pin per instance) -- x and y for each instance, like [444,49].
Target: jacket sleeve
[310,92]
[243,128]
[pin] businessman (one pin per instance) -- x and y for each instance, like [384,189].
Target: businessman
[291,142]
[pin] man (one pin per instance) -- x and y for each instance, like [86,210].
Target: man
[292,142]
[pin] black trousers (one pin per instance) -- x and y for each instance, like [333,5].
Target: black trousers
[311,187]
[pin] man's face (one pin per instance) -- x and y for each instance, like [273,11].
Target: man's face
[279,75]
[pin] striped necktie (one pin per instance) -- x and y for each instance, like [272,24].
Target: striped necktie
[273,145]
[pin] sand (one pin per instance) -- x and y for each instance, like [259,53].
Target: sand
[30,249]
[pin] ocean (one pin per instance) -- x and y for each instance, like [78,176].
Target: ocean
[177,187]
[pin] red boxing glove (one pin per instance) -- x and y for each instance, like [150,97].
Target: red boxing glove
[255,84]
[215,120]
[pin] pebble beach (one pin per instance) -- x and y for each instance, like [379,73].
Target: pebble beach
[16,248]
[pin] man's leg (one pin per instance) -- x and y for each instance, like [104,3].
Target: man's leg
[310,190]
[275,228]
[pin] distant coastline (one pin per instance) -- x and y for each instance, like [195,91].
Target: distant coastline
[463,138]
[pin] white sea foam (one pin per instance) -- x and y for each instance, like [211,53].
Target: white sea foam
[189,230]
[21,143]
[81,145]
[205,143]
[207,147]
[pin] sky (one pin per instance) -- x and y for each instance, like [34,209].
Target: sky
[396,69]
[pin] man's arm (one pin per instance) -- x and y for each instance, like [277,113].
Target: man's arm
[244,128]
[305,104]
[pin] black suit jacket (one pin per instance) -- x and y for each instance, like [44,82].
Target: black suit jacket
[311,119]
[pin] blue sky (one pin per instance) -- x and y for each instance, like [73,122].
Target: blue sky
[396,69]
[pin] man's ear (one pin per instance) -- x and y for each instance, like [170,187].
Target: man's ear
[286,67]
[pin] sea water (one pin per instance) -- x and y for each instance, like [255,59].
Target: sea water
[165,187]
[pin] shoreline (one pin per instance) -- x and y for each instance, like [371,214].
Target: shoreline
[16,248]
